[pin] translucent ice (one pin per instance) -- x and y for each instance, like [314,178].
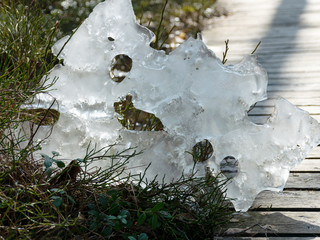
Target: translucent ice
[194,95]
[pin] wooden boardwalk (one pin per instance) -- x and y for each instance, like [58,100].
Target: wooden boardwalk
[290,52]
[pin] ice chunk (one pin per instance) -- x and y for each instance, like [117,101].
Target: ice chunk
[194,95]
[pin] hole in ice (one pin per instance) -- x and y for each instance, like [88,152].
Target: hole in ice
[260,112]
[136,119]
[202,151]
[252,107]
[110,39]
[120,67]
[40,116]
[229,167]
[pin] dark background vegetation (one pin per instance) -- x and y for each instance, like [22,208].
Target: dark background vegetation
[182,18]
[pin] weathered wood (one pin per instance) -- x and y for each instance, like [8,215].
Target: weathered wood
[315,153]
[295,88]
[263,110]
[273,223]
[303,181]
[299,102]
[297,82]
[291,94]
[308,165]
[289,200]
[262,119]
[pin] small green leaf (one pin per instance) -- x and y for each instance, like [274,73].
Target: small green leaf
[57,190]
[148,210]
[113,193]
[47,160]
[57,201]
[102,215]
[155,222]
[132,238]
[71,198]
[113,224]
[142,218]
[55,154]
[106,232]
[110,217]
[94,213]
[124,220]
[104,201]
[166,214]
[60,164]
[93,226]
[143,236]
[92,206]
[114,209]
[158,207]
[49,171]
[124,213]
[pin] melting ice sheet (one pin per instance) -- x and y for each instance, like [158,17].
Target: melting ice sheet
[194,95]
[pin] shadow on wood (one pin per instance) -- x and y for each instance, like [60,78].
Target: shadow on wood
[275,224]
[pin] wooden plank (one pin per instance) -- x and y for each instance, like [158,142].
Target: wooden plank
[289,33]
[292,88]
[299,102]
[307,19]
[296,94]
[294,82]
[249,43]
[287,200]
[258,110]
[308,165]
[315,153]
[275,223]
[257,33]
[312,62]
[295,74]
[301,181]
[303,104]
[263,119]
[290,94]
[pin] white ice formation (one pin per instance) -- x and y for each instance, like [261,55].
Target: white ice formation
[194,95]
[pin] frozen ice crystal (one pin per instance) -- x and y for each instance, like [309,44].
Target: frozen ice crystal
[194,95]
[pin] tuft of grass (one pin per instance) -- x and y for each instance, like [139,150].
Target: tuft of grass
[80,201]
[26,38]
[25,48]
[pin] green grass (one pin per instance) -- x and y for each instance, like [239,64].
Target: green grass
[81,203]
[50,199]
